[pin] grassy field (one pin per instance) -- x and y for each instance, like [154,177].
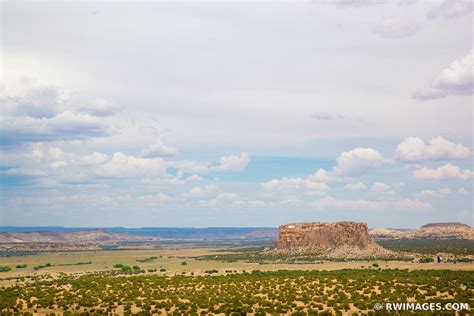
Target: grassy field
[459,247]
[171,259]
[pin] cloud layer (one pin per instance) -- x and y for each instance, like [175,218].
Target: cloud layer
[231,117]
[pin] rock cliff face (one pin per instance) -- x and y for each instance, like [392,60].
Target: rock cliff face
[320,236]
[332,240]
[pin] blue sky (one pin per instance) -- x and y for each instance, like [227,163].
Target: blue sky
[236,113]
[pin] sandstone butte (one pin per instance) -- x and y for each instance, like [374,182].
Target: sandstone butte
[332,240]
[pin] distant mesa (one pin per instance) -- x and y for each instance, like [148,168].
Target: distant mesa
[448,224]
[333,240]
[429,231]
[323,235]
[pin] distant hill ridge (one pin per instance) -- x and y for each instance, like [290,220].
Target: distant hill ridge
[62,234]
[82,236]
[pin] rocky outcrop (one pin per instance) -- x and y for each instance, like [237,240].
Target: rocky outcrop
[334,240]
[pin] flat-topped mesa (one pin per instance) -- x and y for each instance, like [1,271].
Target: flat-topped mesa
[339,240]
[323,236]
[446,224]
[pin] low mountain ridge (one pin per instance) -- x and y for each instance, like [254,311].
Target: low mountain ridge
[81,236]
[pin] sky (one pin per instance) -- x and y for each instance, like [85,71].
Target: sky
[228,113]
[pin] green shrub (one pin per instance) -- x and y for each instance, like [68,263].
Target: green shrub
[41,266]
[426,260]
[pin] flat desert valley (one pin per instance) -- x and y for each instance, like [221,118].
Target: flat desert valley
[315,268]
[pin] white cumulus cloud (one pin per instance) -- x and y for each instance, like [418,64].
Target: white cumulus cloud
[428,194]
[63,126]
[123,166]
[28,97]
[289,184]
[202,191]
[456,79]
[232,163]
[446,172]
[355,186]
[158,149]
[358,161]
[381,187]
[95,158]
[322,175]
[414,150]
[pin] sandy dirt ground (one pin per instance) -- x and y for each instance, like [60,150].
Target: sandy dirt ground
[171,259]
